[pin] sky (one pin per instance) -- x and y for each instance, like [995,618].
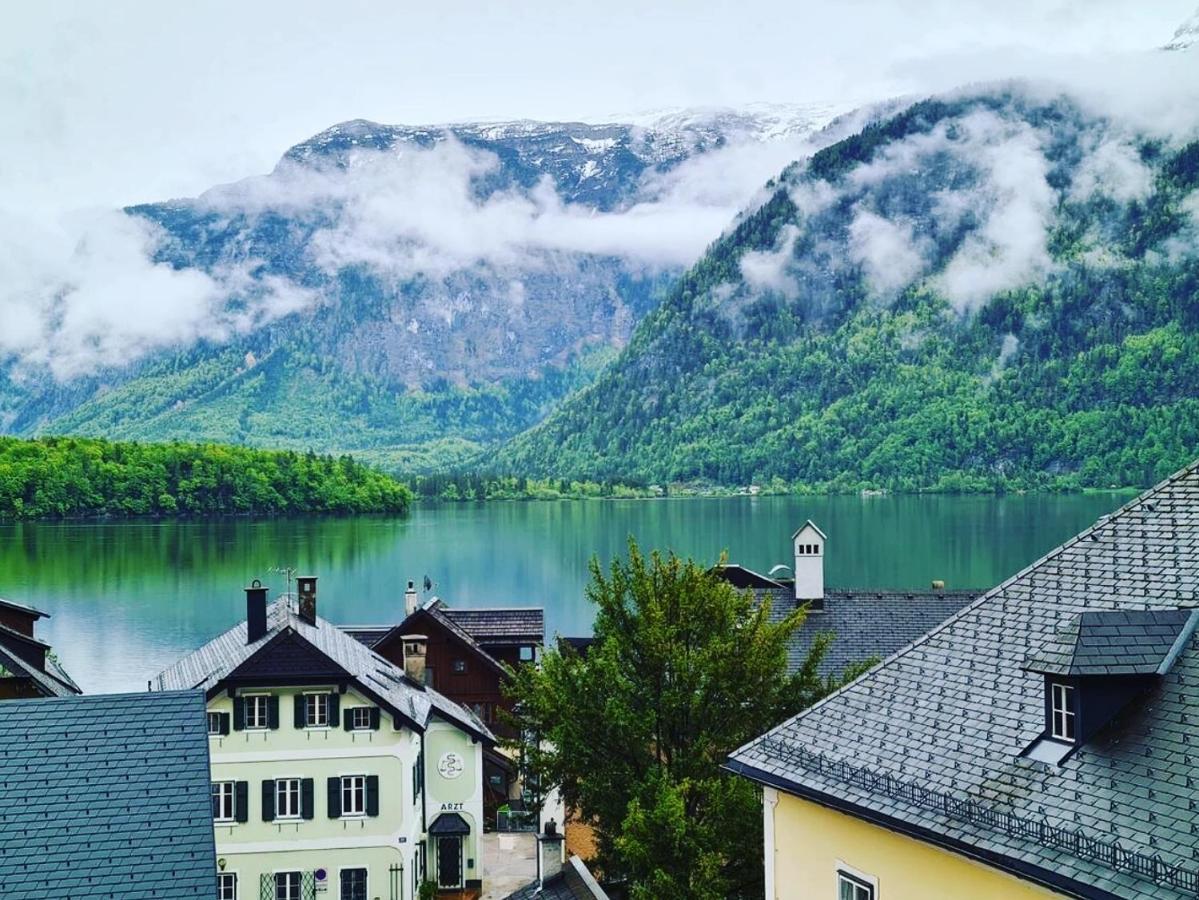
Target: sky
[104,104]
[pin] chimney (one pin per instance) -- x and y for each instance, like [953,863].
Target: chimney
[549,853]
[410,603]
[306,589]
[809,566]
[255,611]
[938,585]
[415,648]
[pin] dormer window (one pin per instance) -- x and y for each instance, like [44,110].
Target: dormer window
[1062,715]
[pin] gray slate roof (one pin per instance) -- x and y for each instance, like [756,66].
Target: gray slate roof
[106,796]
[1116,642]
[514,625]
[931,739]
[865,623]
[211,664]
[575,883]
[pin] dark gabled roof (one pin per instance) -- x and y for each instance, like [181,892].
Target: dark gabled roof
[1116,642]
[741,578]
[106,796]
[436,612]
[500,626]
[52,682]
[25,608]
[574,883]
[366,634]
[449,823]
[929,742]
[336,651]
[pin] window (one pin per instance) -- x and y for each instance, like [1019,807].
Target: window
[460,667]
[316,710]
[223,809]
[226,886]
[287,798]
[353,795]
[287,886]
[257,711]
[360,718]
[353,884]
[1062,711]
[526,654]
[850,887]
[214,723]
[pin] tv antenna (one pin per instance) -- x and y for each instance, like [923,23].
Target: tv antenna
[288,572]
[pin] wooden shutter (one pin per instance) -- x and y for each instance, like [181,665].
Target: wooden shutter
[347,719]
[372,795]
[334,798]
[224,720]
[272,712]
[268,801]
[376,718]
[241,801]
[334,709]
[239,713]
[306,800]
[301,711]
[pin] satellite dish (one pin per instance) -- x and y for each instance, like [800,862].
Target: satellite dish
[779,569]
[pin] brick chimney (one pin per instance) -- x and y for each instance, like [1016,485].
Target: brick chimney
[809,566]
[255,611]
[415,648]
[306,589]
[410,601]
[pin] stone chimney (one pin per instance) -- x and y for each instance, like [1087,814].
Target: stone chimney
[809,566]
[415,648]
[255,611]
[306,590]
[410,601]
[549,853]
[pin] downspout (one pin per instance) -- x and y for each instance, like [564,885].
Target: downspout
[770,799]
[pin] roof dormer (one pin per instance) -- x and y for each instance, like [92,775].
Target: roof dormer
[1096,665]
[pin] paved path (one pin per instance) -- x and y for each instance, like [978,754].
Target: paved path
[509,861]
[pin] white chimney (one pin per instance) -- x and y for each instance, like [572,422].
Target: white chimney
[410,600]
[809,566]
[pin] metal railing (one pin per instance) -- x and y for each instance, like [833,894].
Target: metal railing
[1076,842]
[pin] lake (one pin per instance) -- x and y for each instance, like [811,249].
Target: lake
[128,598]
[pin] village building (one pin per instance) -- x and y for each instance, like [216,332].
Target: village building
[865,623]
[1039,743]
[334,771]
[28,668]
[559,877]
[106,796]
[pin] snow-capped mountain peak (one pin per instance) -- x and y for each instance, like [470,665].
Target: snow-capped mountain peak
[1186,36]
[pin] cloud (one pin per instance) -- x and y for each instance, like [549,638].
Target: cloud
[768,270]
[84,293]
[1112,169]
[888,251]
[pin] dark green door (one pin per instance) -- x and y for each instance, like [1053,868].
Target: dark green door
[449,862]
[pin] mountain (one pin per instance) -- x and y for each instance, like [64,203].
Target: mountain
[415,293]
[997,288]
[1186,35]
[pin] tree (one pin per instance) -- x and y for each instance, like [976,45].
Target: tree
[684,670]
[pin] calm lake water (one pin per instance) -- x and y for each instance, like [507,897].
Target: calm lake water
[129,598]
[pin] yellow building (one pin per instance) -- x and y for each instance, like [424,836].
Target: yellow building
[1043,742]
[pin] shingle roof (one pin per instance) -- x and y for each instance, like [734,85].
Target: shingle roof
[515,625]
[208,666]
[1116,642]
[930,741]
[53,682]
[574,883]
[366,634]
[106,797]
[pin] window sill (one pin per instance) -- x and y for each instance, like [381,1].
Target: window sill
[225,822]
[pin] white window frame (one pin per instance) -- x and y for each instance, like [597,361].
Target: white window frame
[299,885]
[214,724]
[845,873]
[1063,719]
[224,880]
[360,718]
[228,793]
[353,786]
[366,886]
[527,653]
[259,703]
[284,788]
[317,703]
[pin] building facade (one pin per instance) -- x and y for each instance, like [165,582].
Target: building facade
[27,666]
[334,772]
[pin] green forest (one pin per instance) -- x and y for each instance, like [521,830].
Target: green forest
[67,477]
[1086,375]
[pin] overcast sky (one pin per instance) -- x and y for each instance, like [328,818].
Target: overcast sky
[117,102]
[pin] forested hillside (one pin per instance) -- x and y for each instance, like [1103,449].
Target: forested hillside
[68,477]
[992,290]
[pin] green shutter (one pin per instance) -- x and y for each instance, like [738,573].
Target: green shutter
[239,713]
[268,801]
[266,886]
[372,795]
[334,709]
[224,719]
[272,712]
[347,719]
[334,798]
[241,801]
[306,799]
[301,711]
[375,718]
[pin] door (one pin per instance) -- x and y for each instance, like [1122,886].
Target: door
[449,862]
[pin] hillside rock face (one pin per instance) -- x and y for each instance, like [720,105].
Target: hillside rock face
[989,289]
[409,285]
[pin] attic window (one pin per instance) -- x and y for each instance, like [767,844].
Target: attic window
[1062,712]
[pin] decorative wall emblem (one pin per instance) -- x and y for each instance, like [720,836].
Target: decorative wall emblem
[451,765]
